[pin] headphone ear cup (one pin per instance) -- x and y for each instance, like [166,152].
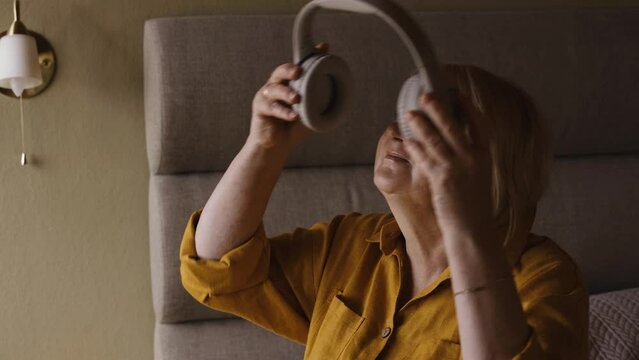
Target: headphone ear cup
[324,88]
[408,100]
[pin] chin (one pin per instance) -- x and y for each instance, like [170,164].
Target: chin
[389,181]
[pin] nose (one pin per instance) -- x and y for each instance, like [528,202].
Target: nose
[395,132]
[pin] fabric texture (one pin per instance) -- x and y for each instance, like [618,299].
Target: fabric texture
[334,287]
[590,208]
[614,325]
[173,198]
[579,65]
[221,339]
[201,78]
[594,239]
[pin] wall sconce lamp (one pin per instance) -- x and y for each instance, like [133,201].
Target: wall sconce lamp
[27,64]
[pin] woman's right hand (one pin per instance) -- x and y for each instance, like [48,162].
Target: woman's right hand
[273,122]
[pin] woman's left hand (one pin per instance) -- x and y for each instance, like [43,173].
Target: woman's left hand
[458,171]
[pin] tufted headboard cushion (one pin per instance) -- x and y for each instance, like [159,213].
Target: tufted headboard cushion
[581,66]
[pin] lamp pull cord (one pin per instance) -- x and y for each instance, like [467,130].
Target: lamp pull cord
[23,159]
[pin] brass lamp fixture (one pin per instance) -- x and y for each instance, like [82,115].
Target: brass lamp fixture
[27,64]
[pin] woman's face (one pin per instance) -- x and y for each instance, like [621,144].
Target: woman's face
[393,171]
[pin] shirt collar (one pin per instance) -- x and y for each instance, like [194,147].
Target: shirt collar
[389,234]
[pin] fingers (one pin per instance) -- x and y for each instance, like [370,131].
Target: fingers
[447,127]
[275,109]
[274,98]
[285,72]
[323,47]
[275,91]
[430,141]
[418,155]
[290,71]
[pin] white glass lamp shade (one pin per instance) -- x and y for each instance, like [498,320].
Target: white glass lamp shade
[19,66]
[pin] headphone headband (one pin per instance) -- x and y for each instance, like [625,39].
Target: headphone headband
[400,21]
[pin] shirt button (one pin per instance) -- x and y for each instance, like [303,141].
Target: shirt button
[386,332]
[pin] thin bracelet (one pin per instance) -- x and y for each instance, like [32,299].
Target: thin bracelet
[482,287]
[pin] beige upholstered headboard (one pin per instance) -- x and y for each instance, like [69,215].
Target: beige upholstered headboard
[582,68]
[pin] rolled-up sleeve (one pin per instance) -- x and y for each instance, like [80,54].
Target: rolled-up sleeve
[240,268]
[556,307]
[271,282]
[531,350]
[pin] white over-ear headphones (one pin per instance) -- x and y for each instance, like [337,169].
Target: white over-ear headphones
[325,83]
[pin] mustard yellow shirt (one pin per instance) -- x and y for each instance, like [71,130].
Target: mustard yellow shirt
[334,288]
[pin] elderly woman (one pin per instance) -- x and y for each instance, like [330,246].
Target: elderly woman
[452,270]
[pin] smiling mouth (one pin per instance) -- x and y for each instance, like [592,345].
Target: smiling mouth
[396,157]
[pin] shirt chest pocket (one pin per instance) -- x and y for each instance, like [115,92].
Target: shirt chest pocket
[336,331]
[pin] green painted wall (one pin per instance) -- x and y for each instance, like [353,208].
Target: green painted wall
[74,263]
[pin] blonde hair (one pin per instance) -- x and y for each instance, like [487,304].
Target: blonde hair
[520,144]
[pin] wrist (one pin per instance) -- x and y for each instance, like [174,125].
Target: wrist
[478,247]
[479,237]
[273,154]
[475,260]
